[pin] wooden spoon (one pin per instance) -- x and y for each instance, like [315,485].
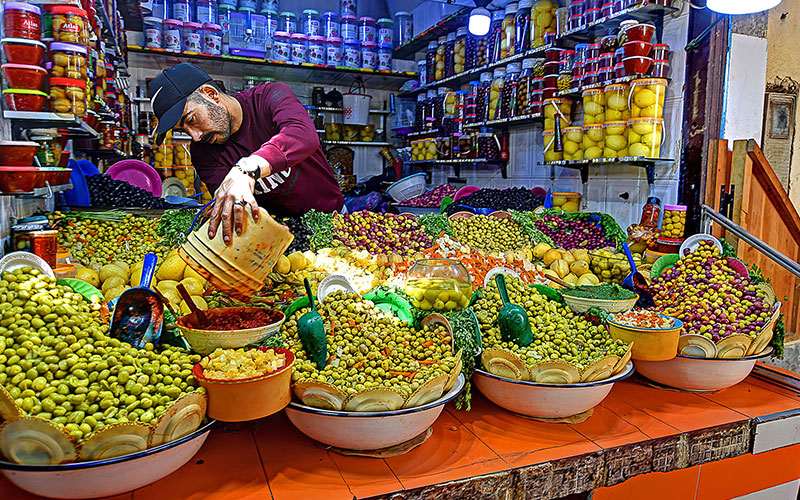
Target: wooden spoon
[165,301]
[198,316]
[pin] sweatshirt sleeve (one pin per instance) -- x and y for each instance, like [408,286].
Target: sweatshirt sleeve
[296,139]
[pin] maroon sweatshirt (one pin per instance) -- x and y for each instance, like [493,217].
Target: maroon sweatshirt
[276,127]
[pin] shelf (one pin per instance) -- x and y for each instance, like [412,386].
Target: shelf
[425,133]
[576,92]
[281,71]
[340,110]
[45,119]
[43,192]
[355,143]
[473,74]
[513,121]
[583,165]
[457,164]
[442,28]
[647,12]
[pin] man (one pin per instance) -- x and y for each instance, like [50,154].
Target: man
[255,147]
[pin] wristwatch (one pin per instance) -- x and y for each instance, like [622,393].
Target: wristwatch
[248,168]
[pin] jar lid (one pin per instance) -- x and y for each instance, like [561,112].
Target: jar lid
[310,12]
[498,15]
[28,67]
[592,91]
[593,126]
[349,17]
[661,45]
[549,132]
[474,82]
[591,10]
[422,97]
[432,45]
[366,19]
[281,34]
[499,73]
[369,45]
[23,41]
[451,37]
[675,208]
[462,31]
[431,94]
[443,90]
[385,20]
[330,13]
[659,61]
[556,100]
[192,25]
[334,39]
[572,129]
[352,42]
[68,47]
[617,86]
[606,68]
[619,65]
[486,77]
[212,26]
[512,8]
[156,20]
[596,59]
[525,4]
[316,38]
[529,63]
[228,6]
[513,68]
[576,16]
[615,123]
[646,119]
[68,9]
[269,12]
[68,82]
[299,36]
[402,13]
[22,6]
[654,200]
[442,39]
[286,13]
[173,22]
[385,46]
[650,81]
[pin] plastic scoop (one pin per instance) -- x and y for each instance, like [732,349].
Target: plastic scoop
[512,319]
[139,313]
[312,332]
[628,281]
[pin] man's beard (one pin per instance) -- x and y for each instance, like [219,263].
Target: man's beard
[218,115]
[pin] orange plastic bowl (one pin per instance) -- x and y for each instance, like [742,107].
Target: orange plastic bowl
[248,398]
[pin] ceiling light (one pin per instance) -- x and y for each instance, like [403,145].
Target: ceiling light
[741,6]
[479,21]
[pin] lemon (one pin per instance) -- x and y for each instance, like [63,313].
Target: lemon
[137,267]
[592,108]
[644,97]
[617,102]
[571,147]
[593,153]
[192,286]
[136,279]
[570,206]
[166,285]
[651,111]
[636,111]
[613,115]
[110,270]
[171,269]
[171,253]
[112,282]
[594,134]
[200,302]
[113,293]
[639,149]
[578,155]
[124,266]
[172,296]
[88,275]
[616,142]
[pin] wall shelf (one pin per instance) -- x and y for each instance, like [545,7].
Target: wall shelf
[647,12]
[44,119]
[510,122]
[648,164]
[355,143]
[457,164]
[42,192]
[442,28]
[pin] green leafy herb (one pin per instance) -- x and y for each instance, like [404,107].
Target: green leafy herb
[435,224]
[175,225]
[321,227]
[728,250]
[465,335]
[778,337]
[270,341]
[757,275]
[606,291]
[527,221]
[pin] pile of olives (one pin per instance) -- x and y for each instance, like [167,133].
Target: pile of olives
[57,363]
[101,242]
[489,233]
[368,348]
[558,333]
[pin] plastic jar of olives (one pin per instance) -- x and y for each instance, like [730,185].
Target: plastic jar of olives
[482,97]
[593,141]
[615,139]
[460,51]
[488,145]
[430,62]
[449,56]
[68,95]
[508,39]
[508,106]
[467,147]
[496,34]
[495,89]
[522,22]
[525,87]
[443,148]
[430,109]
[439,68]
[573,143]
[68,60]
[481,50]
[674,223]
[70,25]
[438,104]
[439,284]
[419,113]
[549,141]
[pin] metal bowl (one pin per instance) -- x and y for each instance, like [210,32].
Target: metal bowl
[102,478]
[353,430]
[700,374]
[545,400]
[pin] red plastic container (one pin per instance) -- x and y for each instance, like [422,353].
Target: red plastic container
[24,99]
[23,51]
[22,20]
[637,65]
[24,76]
[19,179]
[659,69]
[619,70]
[660,51]
[17,153]
[641,32]
[640,49]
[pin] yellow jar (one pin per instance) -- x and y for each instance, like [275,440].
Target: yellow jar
[550,154]
[416,151]
[573,143]
[594,107]
[440,50]
[615,139]
[460,50]
[645,136]
[674,223]
[333,131]
[182,154]
[593,141]
[544,20]
[557,106]
[449,102]
[647,98]
[186,176]
[616,97]
[430,149]
[494,93]
[509,30]
[350,132]
[162,157]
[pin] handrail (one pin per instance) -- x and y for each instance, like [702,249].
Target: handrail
[708,215]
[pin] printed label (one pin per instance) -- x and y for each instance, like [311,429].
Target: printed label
[152,38]
[172,40]
[312,27]
[212,43]
[180,11]
[384,60]
[334,55]
[316,54]
[369,59]
[352,57]
[289,26]
[331,29]
[385,36]
[192,42]
[299,53]
[366,33]
[348,31]
[347,7]
[281,51]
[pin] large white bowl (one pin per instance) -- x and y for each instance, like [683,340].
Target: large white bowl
[700,374]
[355,430]
[545,400]
[101,478]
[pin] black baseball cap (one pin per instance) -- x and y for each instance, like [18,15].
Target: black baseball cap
[168,93]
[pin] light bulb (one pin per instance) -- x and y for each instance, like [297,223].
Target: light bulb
[479,21]
[741,6]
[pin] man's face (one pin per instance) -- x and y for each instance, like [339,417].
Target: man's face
[205,120]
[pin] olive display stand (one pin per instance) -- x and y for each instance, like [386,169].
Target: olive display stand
[640,440]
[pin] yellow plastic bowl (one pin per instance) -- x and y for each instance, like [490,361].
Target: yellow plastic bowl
[649,344]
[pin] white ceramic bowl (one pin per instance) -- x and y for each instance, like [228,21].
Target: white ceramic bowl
[700,374]
[545,400]
[101,478]
[353,430]
[205,342]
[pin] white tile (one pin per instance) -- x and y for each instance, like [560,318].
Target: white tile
[777,433]
[785,491]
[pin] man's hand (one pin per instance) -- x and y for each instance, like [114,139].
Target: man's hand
[233,194]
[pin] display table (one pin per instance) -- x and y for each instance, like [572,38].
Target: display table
[641,439]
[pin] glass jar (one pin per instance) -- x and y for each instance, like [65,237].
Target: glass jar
[651,212]
[594,106]
[422,72]
[645,136]
[441,48]
[459,50]
[495,36]
[316,50]
[577,8]
[659,69]
[522,23]
[660,52]
[470,46]
[68,60]
[647,97]
[594,4]
[352,54]
[153,29]
[549,146]
[438,104]
[608,9]
[590,78]
[366,30]
[430,62]
[172,35]
[349,27]
[619,70]
[192,37]
[508,40]
[68,95]
[616,99]
[593,141]
[449,59]
[206,11]
[575,23]
[450,101]
[282,46]
[385,31]
[212,39]
[560,107]
[572,138]
[224,16]
[593,65]
[544,20]
[330,24]
[615,139]
[347,7]
[488,145]
[385,57]
[22,20]
[606,74]
[525,87]
[333,51]
[430,109]
[181,154]
[494,94]
[439,284]
[592,16]
[311,23]
[299,48]
[443,149]
[471,111]
[508,105]
[674,223]
[419,113]
[369,55]
[481,49]
[404,23]
[482,97]
[607,59]
[182,10]
[288,22]
[430,149]
[70,25]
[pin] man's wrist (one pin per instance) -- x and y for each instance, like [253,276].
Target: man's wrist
[255,166]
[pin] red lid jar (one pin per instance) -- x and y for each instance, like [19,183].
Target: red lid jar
[22,20]
[70,25]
